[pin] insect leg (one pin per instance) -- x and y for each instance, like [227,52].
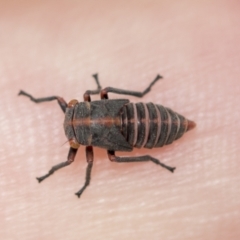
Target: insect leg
[89,155]
[105,91]
[113,158]
[60,100]
[71,155]
[87,94]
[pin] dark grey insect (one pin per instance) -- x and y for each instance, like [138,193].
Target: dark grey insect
[116,125]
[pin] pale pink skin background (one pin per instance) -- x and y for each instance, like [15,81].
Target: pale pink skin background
[52,48]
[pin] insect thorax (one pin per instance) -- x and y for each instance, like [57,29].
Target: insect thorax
[97,123]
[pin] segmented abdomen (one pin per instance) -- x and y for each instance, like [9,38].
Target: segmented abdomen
[150,125]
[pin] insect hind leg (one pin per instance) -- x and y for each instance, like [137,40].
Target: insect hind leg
[113,158]
[105,91]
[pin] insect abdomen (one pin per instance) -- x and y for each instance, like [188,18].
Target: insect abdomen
[150,125]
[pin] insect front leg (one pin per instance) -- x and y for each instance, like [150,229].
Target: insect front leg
[89,156]
[113,158]
[62,103]
[71,155]
[87,94]
[105,91]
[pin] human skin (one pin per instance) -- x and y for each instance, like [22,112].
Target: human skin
[52,48]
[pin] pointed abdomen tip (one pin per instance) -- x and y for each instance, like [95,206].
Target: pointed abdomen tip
[191,125]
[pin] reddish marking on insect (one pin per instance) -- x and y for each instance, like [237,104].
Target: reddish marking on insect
[101,121]
[191,125]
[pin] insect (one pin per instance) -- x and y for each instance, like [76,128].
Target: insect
[116,125]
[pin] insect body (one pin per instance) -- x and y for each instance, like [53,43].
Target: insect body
[116,125]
